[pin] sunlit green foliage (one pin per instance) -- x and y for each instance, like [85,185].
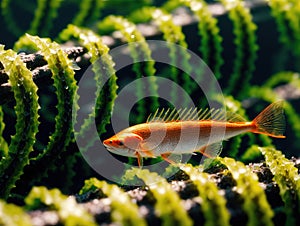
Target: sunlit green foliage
[124,211]
[12,215]
[65,84]
[173,34]
[255,201]
[103,68]
[9,19]
[65,89]
[70,213]
[89,12]
[286,13]
[287,177]
[140,52]
[45,13]
[3,144]
[26,108]
[245,39]
[214,204]
[210,43]
[167,201]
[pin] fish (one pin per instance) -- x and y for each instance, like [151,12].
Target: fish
[189,131]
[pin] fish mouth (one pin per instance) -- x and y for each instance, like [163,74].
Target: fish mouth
[109,148]
[124,152]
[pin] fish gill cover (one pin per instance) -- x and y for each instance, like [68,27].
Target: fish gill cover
[252,47]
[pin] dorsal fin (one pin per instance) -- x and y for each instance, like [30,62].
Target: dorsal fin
[234,117]
[193,114]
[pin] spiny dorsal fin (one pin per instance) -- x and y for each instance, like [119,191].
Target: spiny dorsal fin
[234,117]
[193,114]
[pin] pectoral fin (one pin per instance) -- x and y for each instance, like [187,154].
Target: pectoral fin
[139,159]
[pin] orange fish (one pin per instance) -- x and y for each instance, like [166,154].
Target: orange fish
[189,131]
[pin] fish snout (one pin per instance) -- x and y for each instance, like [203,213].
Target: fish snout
[107,143]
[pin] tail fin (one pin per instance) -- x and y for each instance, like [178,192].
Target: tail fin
[271,121]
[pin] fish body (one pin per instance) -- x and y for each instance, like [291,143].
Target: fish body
[188,133]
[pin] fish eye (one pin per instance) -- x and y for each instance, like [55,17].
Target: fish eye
[121,143]
[110,141]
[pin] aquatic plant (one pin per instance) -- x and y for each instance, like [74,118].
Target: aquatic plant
[11,214]
[254,200]
[246,47]
[172,33]
[27,112]
[139,51]
[287,177]
[7,16]
[103,67]
[65,84]
[120,215]
[17,156]
[286,14]
[69,212]
[228,178]
[214,204]
[232,187]
[45,13]
[210,43]
[166,199]
[84,17]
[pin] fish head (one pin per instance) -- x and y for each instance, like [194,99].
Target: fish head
[125,144]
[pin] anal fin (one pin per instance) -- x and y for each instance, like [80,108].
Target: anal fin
[172,158]
[148,153]
[212,150]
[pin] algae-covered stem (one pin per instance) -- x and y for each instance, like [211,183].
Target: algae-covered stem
[26,108]
[142,59]
[102,66]
[40,70]
[65,89]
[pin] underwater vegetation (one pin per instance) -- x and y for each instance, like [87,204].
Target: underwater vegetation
[46,48]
